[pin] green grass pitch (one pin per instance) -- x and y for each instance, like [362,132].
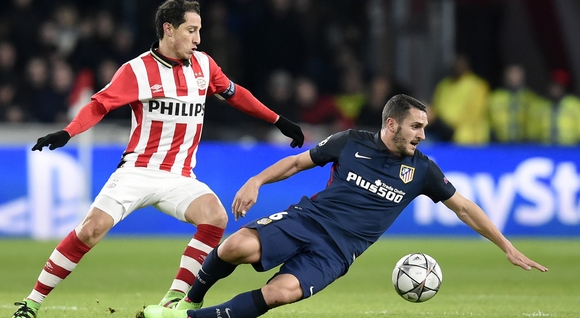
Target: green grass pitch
[122,274]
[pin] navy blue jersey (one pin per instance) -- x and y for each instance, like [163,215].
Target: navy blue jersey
[368,188]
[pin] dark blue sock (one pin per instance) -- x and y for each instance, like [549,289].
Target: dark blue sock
[212,270]
[247,305]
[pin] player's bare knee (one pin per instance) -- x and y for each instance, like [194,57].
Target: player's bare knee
[217,216]
[94,228]
[91,234]
[278,295]
[232,248]
[241,247]
[207,209]
[233,242]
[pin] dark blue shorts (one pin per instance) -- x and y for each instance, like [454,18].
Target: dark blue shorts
[302,246]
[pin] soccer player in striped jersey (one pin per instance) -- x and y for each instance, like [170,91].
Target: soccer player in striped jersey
[374,176]
[166,88]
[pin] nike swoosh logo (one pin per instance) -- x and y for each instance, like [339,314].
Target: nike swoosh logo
[311,290]
[228,312]
[357,155]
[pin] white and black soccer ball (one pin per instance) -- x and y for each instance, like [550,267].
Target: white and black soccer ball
[417,277]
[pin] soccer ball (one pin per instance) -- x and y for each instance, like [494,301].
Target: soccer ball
[417,277]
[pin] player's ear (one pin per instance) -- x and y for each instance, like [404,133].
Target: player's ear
[168,29]
[391,125]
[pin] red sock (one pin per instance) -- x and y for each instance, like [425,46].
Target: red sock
[61,263]
[205,240]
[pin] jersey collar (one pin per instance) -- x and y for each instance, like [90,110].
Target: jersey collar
[381,145]
[164,60]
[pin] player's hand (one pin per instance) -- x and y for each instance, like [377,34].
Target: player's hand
[519,259]
[245,198]
[53,141]
[290,129]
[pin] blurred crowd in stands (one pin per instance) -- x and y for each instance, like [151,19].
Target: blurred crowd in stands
[304,59]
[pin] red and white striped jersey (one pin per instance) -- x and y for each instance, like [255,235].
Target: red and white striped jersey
[168,102]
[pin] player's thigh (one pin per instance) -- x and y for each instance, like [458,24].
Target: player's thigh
[282,235]
[127,190]
[317,267]
[190,200]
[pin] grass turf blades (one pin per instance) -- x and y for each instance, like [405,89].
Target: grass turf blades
[121,275]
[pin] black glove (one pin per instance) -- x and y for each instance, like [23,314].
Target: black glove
[55,140]
[290,129]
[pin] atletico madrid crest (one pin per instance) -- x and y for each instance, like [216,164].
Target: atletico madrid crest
[406,174]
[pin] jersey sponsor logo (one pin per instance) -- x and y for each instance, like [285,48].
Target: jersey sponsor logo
[357,155]
[176,109]
[406,173]
[157,88]
[378,187]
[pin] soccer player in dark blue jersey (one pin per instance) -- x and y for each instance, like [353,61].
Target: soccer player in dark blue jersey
[374,177]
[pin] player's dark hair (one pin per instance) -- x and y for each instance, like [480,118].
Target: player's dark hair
[173,11]
[398,108]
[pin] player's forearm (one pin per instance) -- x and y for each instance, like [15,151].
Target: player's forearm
[281,170]
[87,117]
[249,104]
[475,218]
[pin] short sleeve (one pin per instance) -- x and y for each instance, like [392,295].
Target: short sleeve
[329,149]
[122,89]
[437,187]
[219,82]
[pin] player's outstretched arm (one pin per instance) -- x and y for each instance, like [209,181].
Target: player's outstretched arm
[87,117]
[247,195]
[242,99]
[472,215]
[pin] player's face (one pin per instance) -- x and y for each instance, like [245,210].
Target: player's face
[186,37]
[410,132]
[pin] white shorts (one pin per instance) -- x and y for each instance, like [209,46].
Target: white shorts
[129,189]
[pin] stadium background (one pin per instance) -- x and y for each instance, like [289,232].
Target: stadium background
[528,190]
